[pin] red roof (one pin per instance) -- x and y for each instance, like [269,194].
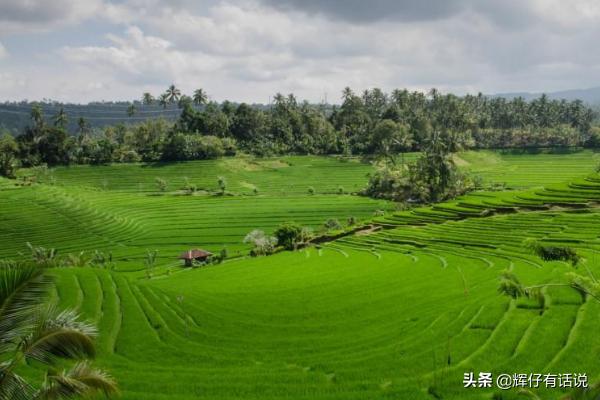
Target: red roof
[194,254]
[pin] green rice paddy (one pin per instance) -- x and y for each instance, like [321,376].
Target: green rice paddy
[398,313]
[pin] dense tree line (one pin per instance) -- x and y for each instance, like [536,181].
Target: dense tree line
[370,124]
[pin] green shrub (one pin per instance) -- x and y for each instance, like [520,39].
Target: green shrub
[553,253]
[161,184]
[222,182]
[288,235]
[8,156]
[129,156]
[332,224]
[262,244]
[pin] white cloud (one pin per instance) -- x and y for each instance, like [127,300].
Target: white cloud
[246,50]
[140,58]
[26,16]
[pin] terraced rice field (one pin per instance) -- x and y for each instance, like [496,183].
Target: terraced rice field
[399,313]
[127,215]
[520,171]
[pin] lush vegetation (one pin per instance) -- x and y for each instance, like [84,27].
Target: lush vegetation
[433,177]
[399,309]
[373,124]
[33,331]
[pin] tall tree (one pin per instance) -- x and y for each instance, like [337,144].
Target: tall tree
[173,93]
[61,119]
[200,97]
[37,116]
[389,139]
[147,99]
[82,125]
[163,100]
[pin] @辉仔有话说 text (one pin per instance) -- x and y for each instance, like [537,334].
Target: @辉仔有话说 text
[506,381]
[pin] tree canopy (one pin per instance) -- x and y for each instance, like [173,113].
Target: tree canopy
[372,124]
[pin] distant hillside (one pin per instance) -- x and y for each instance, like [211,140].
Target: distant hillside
[590,96]
[15,116]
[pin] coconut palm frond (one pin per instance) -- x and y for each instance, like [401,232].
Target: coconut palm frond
[12,386]
[22,289]
[58,335]
[81,380]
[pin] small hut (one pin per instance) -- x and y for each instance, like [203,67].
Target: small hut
[194,255]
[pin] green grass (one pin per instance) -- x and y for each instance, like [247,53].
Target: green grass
[79,212]
[394,314]
[525,170]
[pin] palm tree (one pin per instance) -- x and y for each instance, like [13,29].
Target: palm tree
[31,329]
[173,94]
[163,100]
[60,119]
[82,125]
[347,93]
[200,97]
[147,99]
[131,110]
[37,115]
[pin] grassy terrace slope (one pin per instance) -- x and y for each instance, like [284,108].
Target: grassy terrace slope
[119,208]
[526,170]
[400,313]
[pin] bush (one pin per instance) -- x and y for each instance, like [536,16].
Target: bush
[262,244]
[129,156]
[101,259]
[161,184]
[387,183]
[288,235]
[417,185]
[218,258]
[332,224]
[181,146]
[229,146]
[209,147]
[224,253]
[222,182]
[8,156]
[553,253]
[593,140]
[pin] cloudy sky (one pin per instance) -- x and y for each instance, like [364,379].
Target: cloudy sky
[247,50]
